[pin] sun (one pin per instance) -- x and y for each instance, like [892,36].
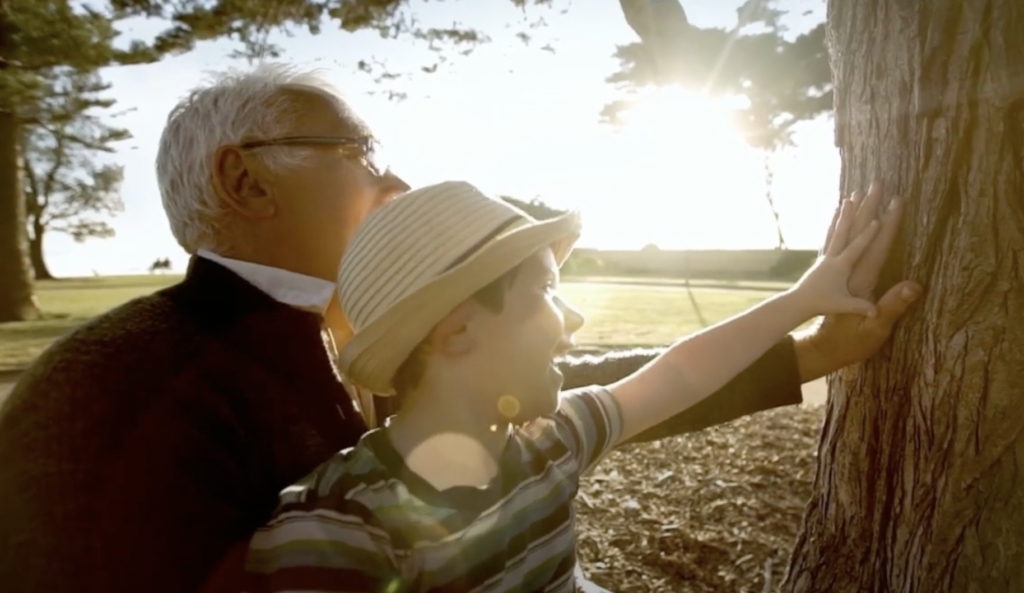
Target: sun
[686,168]
[674,122]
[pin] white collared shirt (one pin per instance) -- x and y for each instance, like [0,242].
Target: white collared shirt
[297,290]
[302,292]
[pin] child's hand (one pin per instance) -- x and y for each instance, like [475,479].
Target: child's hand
[823,289]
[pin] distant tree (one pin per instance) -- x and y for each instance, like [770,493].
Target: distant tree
[66,190]
[583,262]
[160,265]
[783,80]
[535,208]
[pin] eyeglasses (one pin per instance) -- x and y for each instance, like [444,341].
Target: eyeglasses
[364,148]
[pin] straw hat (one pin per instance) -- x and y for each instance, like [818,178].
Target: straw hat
[415,259]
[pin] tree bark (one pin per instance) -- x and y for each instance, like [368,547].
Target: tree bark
[35,253]
[919,486]
[16,300]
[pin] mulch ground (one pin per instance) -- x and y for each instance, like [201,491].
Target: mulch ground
[711,512]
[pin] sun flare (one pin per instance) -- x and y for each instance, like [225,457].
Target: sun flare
[686,164]
[674,116]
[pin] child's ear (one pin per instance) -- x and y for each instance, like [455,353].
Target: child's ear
[452,336]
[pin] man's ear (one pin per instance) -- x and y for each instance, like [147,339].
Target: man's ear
[453,336]
[237,181]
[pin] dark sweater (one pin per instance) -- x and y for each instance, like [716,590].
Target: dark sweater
[142,447]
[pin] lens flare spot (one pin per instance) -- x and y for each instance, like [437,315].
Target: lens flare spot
[508,406]
[394,586]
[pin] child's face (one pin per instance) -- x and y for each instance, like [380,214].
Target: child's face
[515,350]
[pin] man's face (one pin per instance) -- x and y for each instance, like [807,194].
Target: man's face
[515,349]
[311,209]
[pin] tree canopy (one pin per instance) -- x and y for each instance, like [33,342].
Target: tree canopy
[783,79]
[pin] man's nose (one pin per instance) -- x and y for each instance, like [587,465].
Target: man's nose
[394,184]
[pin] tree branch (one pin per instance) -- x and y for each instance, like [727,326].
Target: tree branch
[34,202]
[59,157]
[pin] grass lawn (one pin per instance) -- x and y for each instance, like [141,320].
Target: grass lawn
[649,314]
[618,313]
[694,282]
[66,303]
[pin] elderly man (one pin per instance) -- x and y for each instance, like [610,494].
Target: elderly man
[142,447]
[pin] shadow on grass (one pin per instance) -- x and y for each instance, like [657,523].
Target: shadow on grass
[21,342]
[49,327]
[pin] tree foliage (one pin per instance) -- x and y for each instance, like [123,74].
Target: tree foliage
[782,79]
[250,23]
[43,36]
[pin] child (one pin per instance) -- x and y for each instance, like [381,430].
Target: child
[453,299]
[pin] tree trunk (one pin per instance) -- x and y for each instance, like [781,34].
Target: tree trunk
[16,301]
[919,484]
[35,252]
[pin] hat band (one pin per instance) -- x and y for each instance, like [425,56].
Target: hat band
[484,241]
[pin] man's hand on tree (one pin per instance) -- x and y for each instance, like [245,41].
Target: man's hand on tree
[841,340]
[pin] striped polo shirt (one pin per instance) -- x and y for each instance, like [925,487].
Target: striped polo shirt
[363,522]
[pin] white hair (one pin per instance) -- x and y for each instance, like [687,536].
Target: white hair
[235,106]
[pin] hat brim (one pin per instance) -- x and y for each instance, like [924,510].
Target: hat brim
[375,352]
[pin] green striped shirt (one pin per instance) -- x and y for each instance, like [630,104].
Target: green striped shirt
[364,523]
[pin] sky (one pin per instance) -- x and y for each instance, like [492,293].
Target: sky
[514,120]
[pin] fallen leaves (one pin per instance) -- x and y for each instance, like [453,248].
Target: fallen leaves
[710,512]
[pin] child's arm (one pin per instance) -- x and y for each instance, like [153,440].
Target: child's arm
[700,364]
